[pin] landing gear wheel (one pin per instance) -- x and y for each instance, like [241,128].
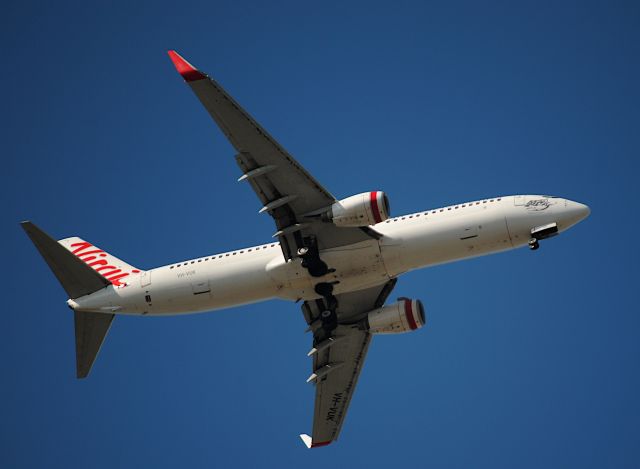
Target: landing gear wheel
[311,260]
[329,321]
[324,289]
[534,244]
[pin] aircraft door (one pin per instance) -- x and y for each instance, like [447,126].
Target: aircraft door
[145,278]
[201,287]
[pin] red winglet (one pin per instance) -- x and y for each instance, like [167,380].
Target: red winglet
[321,443]
[184,68]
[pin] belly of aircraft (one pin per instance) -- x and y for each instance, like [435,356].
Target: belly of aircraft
[354,267]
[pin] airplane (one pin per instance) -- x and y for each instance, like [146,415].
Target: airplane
[340,257]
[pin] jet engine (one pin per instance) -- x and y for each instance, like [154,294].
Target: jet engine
[363,209]
[404,316]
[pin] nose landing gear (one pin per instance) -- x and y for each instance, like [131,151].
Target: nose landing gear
[542,232]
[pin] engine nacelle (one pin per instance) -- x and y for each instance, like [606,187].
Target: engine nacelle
[404,316]
[363,209]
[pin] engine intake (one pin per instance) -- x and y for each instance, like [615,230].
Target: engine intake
[363,209]
[404,316]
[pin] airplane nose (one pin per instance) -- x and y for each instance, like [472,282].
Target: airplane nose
[575,212]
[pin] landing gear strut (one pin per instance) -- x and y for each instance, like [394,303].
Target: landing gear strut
[311,259]
[318,268]
[542,232]
[328,316]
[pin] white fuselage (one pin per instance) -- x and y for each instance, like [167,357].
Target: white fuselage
[408,242]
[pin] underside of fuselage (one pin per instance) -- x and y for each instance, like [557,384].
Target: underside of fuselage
[406,243]
[259,273]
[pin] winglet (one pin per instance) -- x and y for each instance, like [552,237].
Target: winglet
[308,441]
[184,68]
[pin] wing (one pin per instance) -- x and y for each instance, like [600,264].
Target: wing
[338,356]
[286,190]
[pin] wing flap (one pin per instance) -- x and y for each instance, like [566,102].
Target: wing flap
[338,357]
[249,138]
[335,390]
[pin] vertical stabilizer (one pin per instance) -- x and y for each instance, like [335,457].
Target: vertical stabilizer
[75,276]
[115,270]
[78,278]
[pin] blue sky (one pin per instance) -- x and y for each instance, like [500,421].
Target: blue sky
[528,359]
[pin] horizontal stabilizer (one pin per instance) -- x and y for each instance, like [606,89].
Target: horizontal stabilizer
[76,277]
[91,329]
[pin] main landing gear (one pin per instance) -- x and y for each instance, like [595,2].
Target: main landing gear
[318,268]
[311,259]
[534,244]
[328,316]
